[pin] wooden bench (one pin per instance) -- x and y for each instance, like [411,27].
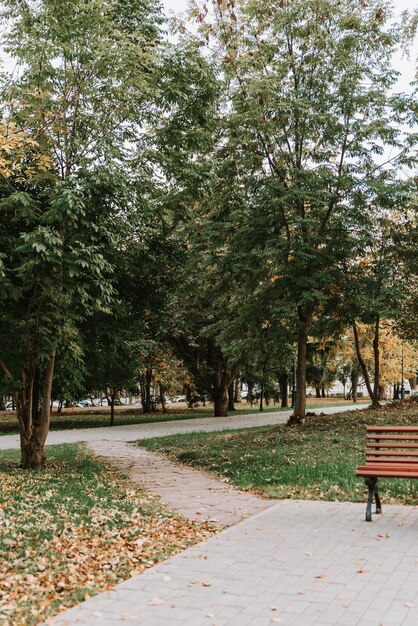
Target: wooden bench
[391,451]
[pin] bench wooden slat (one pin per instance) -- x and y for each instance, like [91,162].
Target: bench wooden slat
[387,473]
[384,444]
[386,452]
[412,467]
[379,461]
[380,437]
[388,429]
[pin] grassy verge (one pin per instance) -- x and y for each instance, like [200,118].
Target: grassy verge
[87,418]
[73,529]
[314,461]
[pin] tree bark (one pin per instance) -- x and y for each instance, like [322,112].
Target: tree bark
[220,401]
[112,410]
[375,402]
[354,384]
[231,405]
[283,384]
[237,390]
[261,393]
[220,393]
[305,322]
[34,426]
[376,354]
[145,385]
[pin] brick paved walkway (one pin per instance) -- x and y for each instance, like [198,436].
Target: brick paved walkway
[196,495]
[297,563]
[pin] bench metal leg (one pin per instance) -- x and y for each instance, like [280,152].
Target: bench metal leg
[376,495]
[371,482]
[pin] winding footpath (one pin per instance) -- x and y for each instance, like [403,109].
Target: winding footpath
[288,562]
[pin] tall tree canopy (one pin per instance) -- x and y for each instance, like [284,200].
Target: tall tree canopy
[308,114]
[83,82]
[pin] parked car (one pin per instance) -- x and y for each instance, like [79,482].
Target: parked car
[84,403]
[178,399]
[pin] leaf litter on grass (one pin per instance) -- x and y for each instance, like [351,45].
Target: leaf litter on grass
[75,528]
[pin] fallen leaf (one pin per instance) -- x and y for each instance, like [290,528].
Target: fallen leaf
[322,576]
[156,602]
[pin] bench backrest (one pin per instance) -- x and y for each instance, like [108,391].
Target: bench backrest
[392,445]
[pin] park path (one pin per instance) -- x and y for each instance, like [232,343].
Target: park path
[296,563]
[134,432]
[195,494]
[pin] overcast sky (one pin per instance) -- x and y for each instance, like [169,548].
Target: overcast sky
[405,66]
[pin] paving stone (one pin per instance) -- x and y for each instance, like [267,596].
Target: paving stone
[302,558]
[324,607]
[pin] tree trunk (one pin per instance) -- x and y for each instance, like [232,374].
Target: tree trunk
[376,354]
[220,401]
[261,394]
[317,392]
[145,385]
[112,410]
[375,402]
[34,426]
[220,394]
[354,384]
[382,392]
[305,321]
[231,406]
[283,384]
[237,390]
[162,398]
[323,395]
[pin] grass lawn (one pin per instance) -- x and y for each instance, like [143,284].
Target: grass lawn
[73,529]
[94,418]
[314,461]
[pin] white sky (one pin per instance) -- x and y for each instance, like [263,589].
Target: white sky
[405,66]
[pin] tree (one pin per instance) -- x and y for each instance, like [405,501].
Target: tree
[49,283]
[85,74]
[307,108]
[110,351]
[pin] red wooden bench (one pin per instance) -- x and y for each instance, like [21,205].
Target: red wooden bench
[392,452]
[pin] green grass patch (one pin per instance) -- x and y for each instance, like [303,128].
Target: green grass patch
[314,461]
[74,528]
[100,417]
